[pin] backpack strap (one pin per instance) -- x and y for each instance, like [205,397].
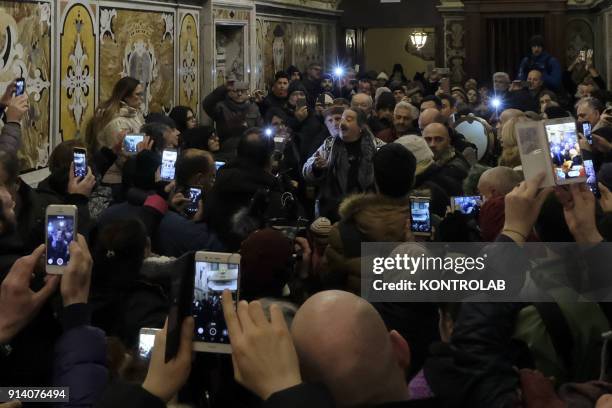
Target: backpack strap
[558,330]
[351,238]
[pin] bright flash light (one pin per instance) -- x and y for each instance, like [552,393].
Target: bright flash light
[496,103]
[339,71]
[268,131]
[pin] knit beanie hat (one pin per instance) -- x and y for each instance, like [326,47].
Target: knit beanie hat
[296,86]
[321,227]
[394,168]
[419,148]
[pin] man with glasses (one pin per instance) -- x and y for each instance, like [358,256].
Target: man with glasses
[230,107]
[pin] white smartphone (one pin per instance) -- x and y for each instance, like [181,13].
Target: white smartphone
[79,159]
[169,157]
[562,137]
[420,216]
[146,340]
[214,272]
[61,221]
[130,143]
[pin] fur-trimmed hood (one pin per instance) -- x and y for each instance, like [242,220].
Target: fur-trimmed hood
[378,217]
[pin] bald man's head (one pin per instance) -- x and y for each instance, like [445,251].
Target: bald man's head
[429,116]
[498,181]
[437,138]
[342,342]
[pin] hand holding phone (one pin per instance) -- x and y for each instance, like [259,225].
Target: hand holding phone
[195,194]
[586,131]
[80,185]
[19,304]
[214,272]
[77,276]
[265,360]
[165,378]
[61,228]
[20,86]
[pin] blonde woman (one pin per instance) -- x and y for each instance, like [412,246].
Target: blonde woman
[510,156]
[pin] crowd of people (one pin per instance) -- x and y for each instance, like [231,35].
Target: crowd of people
[295,178]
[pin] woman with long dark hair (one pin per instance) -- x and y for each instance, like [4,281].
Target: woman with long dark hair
[118,115]
[184,118]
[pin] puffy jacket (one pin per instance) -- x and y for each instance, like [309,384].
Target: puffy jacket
[127,119]
[378,219]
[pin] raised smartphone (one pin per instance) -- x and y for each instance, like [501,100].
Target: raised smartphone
[61,222]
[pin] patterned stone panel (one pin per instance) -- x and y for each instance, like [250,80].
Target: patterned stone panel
[77,71]
[139,44]
[189,57]
[277,49]
[454,48]
[307,43]
[25,51]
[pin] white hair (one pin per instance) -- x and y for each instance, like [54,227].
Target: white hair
[414,111]
[501,74]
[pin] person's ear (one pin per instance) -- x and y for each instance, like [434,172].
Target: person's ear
[401,349]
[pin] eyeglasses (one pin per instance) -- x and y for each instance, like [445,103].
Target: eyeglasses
[189,118]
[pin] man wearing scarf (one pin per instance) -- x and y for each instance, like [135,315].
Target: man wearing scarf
[230,107]
[343,164]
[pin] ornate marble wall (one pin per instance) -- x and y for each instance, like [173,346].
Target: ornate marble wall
[25,41]
[281,43]
[98,42]
[139,44]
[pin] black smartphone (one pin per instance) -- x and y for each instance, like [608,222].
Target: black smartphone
[181,299]
[586,131]
[591,180]
[420,216]
[300,103]
[169,157]
[79,159]
[19,86]
[194,194]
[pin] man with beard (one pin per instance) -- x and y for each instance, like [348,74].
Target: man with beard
[278,94]
[343,165]
[327,84]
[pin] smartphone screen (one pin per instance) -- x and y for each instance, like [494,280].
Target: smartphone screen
[211,278]
[565,151]
[194,198]
[60,232]
[168,162]
[146,341]
[79,158]
[130,143]
[591,180]
[219,164]
[586,131]
[421,219]
[19,86]
[467,204]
